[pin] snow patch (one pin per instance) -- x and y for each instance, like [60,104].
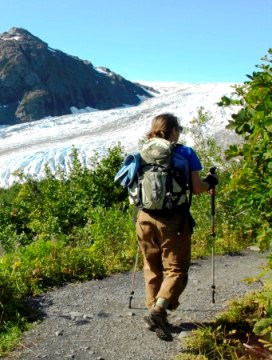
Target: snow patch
[15,37]
[75,110]
[142,97]
[52,50]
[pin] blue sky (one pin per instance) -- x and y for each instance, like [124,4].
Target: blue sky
[155,40]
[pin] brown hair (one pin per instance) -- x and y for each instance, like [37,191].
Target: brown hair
[162,126]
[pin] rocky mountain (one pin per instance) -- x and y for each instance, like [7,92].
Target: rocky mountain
[37,81]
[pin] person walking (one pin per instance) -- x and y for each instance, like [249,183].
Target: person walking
[164,236]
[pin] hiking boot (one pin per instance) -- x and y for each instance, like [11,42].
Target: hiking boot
[157,321]
[149,326]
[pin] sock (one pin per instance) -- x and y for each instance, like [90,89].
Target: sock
[162,303]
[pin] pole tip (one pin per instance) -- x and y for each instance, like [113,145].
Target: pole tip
[130,300]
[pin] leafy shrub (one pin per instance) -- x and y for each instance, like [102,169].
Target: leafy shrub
[225,337]
[113,235]
[232,231]
[54,206]
[10,336]
[42,264]
[253,180]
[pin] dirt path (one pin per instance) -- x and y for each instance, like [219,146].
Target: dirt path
[92,321]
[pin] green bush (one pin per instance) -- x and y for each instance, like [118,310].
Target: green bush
[56,205]
[224,337]
[113,235]
[232,228]
[252,181]
[42,264]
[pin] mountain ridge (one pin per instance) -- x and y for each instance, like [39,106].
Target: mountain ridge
[37,81]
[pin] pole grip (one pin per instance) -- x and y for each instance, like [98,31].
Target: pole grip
[212,192]
[213,170]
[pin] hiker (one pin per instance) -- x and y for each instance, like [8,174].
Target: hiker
[164,235]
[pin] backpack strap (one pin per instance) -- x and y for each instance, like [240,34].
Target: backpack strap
[154,168]
[189,181]
[168,202]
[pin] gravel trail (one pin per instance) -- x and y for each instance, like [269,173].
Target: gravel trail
[92,321]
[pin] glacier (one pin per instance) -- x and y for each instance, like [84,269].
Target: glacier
[30,146]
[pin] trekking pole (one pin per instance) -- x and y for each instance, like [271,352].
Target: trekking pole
[212,193]
[132,287]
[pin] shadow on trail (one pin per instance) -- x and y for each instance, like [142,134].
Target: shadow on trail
[177,327]
[33,308]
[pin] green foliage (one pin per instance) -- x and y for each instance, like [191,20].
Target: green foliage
[12,323]
[206,147]
[213,343]
[264,327]
[113,236]
[263,324]
[232,232]
[103,190]
[56,205]
[10,337]
[253,180]
[42,264]
[224,338]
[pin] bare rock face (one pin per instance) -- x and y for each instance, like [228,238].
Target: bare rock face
[37,81]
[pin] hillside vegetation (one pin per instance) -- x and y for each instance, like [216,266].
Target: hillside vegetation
[245,330]
[62,229]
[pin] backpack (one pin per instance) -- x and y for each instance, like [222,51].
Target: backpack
[161,177]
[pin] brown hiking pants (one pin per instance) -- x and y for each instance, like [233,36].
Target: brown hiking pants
[166,247]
